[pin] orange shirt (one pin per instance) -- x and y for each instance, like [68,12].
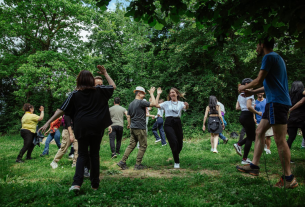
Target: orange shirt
[55,124]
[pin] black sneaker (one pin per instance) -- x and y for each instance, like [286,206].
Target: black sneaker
[122,165]
[140,167]
[19,161]
[113,156]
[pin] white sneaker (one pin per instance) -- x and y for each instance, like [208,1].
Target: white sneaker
[71,156]
[164,144]
[54,164]
[159,140]
[246,162]
[238,149]
[215,151]
[177,165]
[268,152]
[212,149]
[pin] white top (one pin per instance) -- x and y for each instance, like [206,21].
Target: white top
[172,108]
[222,107]
[160,113]
[243,102]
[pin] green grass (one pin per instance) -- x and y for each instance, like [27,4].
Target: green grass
[205,179]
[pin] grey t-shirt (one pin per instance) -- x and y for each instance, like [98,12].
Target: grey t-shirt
[137,113]
[117,115]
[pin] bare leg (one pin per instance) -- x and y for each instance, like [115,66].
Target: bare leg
[260,140]
[268,142]
[212,141]
[215,141]
[279,131]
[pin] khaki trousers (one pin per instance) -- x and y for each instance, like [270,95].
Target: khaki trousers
[136,135]
[65,144]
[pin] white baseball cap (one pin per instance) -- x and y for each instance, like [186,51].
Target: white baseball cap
[139,88]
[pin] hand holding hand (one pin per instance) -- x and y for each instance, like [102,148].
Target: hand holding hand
[159,91]
[41,108]
[102,70]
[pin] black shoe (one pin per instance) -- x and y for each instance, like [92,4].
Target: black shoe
[28,158]
[113,156]
[19,161]
[140,167]
[122,165]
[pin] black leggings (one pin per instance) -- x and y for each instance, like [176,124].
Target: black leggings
[174,134]
[246,119]
[28,145]
[292,132]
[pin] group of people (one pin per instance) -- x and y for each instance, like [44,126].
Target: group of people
[85,114]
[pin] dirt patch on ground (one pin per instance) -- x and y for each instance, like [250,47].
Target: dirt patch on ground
[164,173]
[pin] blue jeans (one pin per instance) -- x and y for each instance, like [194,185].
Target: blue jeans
[55,136]
[221,136]
[159,125]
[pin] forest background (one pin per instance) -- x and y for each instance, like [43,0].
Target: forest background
[42,50]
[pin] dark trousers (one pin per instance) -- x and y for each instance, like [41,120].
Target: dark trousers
[159,125]
[246,119]
[28,145]
[292,132]
[242,134]
[117,133]
[174,134]
[84,156]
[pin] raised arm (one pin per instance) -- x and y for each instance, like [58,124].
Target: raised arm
[159,91]
[153,100]
[41,109]
[205,117]
[108,78]
[256,82]
[57,114]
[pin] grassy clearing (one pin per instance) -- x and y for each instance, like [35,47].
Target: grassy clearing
[205,179]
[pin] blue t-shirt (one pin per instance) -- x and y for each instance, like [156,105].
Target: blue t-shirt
[260,107]
[276,82]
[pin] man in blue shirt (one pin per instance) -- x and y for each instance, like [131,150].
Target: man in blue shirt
[273,76]
[260,105]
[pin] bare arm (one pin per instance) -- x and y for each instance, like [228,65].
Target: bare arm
[41,109]
[108,78]
[153,100]
[186,105]
[256,82]
[205,117]
[298,104]
[250,108]
[128,120]
[57,114]
[219,114]
[71,134]
[159,91]
[126,114]
[237,106]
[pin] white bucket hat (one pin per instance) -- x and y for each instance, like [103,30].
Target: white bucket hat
[139,88]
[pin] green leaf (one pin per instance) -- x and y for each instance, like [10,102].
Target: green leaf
[205,47]
[194,25]
[159,26]
[175,18]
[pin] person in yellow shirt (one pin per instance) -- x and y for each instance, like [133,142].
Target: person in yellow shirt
[29,123]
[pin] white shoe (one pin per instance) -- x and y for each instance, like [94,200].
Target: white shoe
[238,149]
[268,151]
[71,156]
[177,165]
[159,140]
[164,144]
[54,164]
[246,162]
[212,149]
[73,165]
[215,151]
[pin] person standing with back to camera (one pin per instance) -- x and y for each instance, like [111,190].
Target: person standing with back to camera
[173,128]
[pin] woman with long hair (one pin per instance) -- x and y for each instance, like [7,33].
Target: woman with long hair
[246,118]
[29,123]
[297,115]
[88,108]
[173,129]
[214,123]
